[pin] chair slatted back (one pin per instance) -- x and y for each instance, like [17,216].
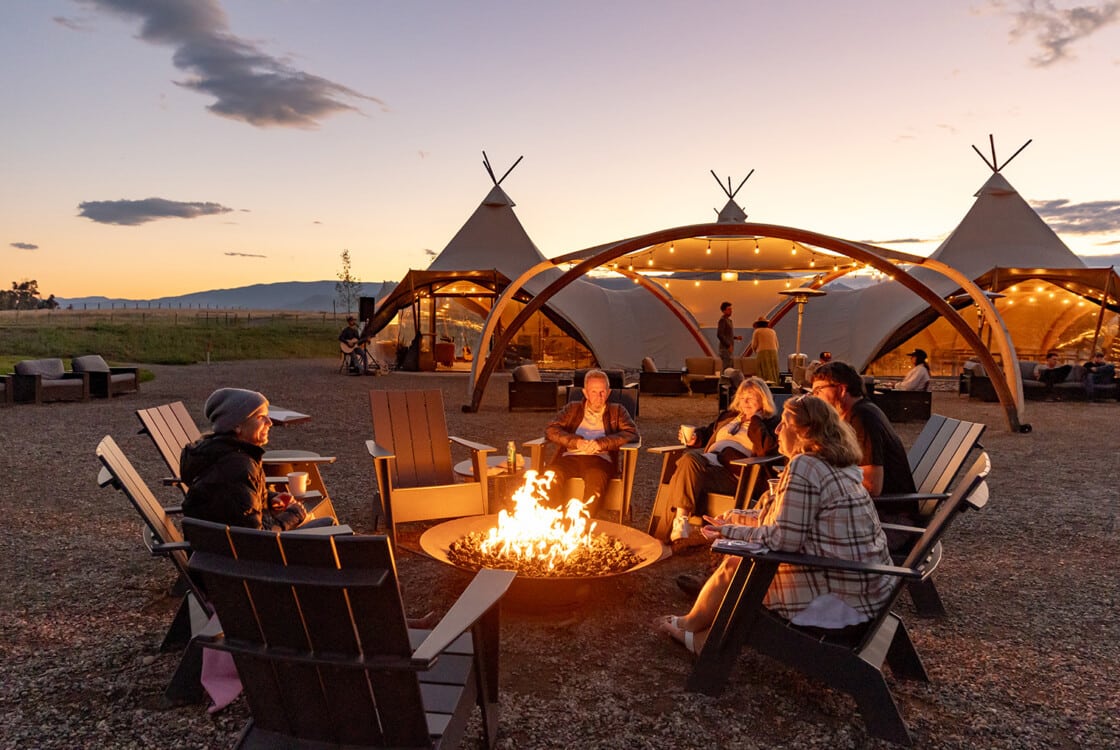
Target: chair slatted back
[171,427]
[317,630]
[941,450]
[412,425]
[159,525]
[972,484]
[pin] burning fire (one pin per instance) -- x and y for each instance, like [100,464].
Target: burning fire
[542,541]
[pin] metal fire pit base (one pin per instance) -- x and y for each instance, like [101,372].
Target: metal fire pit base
[549,595]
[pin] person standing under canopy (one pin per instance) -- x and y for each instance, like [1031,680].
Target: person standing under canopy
[764,343]
[725,334]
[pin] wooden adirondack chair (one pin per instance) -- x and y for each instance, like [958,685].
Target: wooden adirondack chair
[935,458]
[170,426]
[162,537]
[854,669]
[411,453]
[317,630]
[619,488]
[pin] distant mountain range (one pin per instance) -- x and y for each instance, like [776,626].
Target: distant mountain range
[303,296]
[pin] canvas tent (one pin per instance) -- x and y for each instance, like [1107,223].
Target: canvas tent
[1001,242]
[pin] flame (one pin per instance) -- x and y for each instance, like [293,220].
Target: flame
[535,531]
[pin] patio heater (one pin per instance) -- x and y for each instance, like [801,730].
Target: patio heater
[800,296]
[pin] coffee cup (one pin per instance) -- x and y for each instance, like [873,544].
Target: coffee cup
[687,433]
[297,483]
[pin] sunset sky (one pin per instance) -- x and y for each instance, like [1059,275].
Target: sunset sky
[160,148]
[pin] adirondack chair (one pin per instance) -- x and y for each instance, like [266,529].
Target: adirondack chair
[162,537]
[856,669]
[619,488]
[317,630]
[170,426]
[411,454]
[935,459]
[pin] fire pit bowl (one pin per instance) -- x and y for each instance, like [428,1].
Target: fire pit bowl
[543,594]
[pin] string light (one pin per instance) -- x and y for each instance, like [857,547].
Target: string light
[671,248]
[709,248]
[696,283]
[756,282]
[756,246]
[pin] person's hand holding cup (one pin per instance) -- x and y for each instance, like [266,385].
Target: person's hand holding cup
[773,487]
[687,435]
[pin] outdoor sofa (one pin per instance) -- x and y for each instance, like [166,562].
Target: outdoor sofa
[976,383]
[38,380]
[106,381]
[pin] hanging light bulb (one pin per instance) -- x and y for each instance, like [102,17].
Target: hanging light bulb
[631,268]
[788,284]
[650,261]
[756,246]
[756,282]
[792,248]
[709,248]
[696,283]
[671,248]
[812,262]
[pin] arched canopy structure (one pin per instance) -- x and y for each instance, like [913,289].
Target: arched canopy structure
[881,259]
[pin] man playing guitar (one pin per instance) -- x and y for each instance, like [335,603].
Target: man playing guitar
[350,342]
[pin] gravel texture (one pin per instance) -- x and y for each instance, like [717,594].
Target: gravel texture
[1026,657]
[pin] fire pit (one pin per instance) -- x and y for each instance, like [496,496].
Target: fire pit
[554,573]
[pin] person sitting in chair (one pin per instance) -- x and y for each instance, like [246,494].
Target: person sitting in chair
[820,508]
[587,435]
[351,342]
[1097,372]
[745,429]
[917,378]
[224,472]
[1051,373]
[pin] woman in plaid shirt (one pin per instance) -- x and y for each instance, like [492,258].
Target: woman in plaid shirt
[820,507]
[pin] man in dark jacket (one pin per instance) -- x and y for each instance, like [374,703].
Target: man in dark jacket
[223,469]
[587,435]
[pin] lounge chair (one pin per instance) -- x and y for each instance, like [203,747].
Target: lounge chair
[411,454]
[317,630]
[855,668]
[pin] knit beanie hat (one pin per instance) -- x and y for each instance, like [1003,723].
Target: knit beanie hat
[228,407]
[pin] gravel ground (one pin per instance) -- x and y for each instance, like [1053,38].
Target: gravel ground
[1026,657]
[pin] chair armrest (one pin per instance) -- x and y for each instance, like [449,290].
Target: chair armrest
[377,451]
[903,529]
[741,549]
[666,448]
[173,510]
[171,482]
[478,447]
[105,478]
[633,445]
[295,457]
[909,497]
[484,591]
[340,530]
[535,441]
[166,548]
[752,460]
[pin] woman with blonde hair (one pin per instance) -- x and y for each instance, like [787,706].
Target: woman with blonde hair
[820,507]
[745,429]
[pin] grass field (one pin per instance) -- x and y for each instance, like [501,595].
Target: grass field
[146,336]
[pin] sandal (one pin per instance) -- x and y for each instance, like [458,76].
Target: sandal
[671,624]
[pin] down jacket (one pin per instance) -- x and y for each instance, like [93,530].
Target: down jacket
[227,485]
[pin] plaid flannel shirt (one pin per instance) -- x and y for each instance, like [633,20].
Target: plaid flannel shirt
[821,510]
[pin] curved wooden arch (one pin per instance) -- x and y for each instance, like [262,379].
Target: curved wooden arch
[602,254]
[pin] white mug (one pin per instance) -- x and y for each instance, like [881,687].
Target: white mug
[297,483]
[687,432]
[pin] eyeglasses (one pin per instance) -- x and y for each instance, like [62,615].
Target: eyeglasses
[818,388]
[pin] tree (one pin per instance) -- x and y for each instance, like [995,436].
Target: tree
[24,295]
[349,286]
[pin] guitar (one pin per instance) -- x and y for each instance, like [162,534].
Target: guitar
[349,345]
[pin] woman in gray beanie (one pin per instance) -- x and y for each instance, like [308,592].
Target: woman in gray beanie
[223,469]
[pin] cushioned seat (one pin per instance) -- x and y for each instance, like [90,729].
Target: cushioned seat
[702,374]
[106,381]
[529,392]
[39,380]
[655,382]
